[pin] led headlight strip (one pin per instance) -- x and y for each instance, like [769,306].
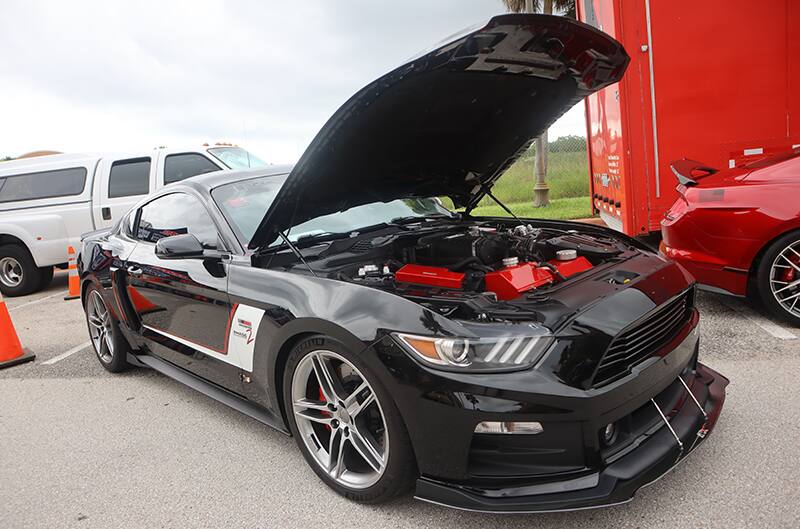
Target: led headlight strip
[483,353]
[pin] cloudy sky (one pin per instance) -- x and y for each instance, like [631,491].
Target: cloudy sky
[121,76]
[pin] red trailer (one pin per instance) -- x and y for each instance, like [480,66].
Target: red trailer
[716,81]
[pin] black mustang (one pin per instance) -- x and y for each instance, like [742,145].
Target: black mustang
[498,364]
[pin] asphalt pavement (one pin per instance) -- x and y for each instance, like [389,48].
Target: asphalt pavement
[80,447]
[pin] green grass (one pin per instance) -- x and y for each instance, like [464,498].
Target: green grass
[558,209]
[567,177]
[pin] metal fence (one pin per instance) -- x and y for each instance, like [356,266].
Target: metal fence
[567,172]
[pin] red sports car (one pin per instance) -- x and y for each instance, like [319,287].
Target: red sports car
[738,230]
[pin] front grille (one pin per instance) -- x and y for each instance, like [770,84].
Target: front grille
[640,340]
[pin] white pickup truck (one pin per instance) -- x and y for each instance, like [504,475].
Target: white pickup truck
[47,202]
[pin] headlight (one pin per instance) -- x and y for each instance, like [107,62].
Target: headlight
[484,354]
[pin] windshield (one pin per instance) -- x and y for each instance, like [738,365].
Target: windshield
[244,204]
[236,157]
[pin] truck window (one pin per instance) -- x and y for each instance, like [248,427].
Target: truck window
[176,214]
[44,184]
[178,167]
[129,178]
[236,157]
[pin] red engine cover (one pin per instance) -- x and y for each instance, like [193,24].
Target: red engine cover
[573,266]
[513,281]
[429,275]
[508,283]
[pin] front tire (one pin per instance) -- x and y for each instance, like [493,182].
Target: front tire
[110,347]
[346,423]
[778,278]
[19,275]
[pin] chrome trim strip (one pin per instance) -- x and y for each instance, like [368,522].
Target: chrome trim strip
[653,95]
[228,359]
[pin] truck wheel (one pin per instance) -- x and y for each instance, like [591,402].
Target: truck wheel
[778,278]
[19,274]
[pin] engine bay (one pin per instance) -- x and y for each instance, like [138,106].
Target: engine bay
[451,264]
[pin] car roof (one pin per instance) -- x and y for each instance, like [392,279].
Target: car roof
[209,181]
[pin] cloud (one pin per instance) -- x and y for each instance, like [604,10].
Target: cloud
[96,76]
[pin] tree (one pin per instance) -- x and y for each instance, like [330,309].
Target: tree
[562,7]
[541,193]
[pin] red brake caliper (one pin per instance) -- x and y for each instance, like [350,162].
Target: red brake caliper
[325,413]
[789,274]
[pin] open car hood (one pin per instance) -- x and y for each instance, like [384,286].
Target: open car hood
[449,122]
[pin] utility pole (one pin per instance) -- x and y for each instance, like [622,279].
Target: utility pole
[541,192]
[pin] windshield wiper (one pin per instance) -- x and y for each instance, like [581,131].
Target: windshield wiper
[303,240]
[400,221]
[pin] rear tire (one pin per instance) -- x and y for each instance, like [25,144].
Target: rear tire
[778,278]
[364,411]
[19,275]
[110,346]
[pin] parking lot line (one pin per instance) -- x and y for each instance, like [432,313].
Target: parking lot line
[35,301]
[767,325]
[64,355]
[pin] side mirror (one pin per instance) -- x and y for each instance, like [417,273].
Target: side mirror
[185,246]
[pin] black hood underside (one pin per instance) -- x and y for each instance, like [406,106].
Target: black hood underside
[449,122]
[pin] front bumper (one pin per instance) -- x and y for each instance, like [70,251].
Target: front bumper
[651,455]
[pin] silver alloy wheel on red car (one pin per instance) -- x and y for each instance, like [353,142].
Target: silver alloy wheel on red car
[11,273]
[784,280]
[101,328]
[340,419]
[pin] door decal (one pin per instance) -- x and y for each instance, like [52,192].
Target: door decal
[240,339]
[242,334]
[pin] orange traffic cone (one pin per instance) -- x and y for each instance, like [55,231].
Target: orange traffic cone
[74,280]
[11,351]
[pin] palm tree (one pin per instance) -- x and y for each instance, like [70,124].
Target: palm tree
[565,7]
[541,193]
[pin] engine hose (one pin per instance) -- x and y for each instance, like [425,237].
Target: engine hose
[556,271]
[461,265]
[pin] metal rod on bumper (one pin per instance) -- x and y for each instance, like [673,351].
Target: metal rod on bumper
[699,407]
[664,418]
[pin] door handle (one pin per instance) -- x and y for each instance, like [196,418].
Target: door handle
[106,212]
[135,271]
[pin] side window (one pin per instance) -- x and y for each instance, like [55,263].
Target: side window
[129,178]
[176,214]
[45,184]
[178,167]
[127,226]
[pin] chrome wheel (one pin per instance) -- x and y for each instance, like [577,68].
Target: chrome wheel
[10,272]
[101,328]
[340,419]
[784,280]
